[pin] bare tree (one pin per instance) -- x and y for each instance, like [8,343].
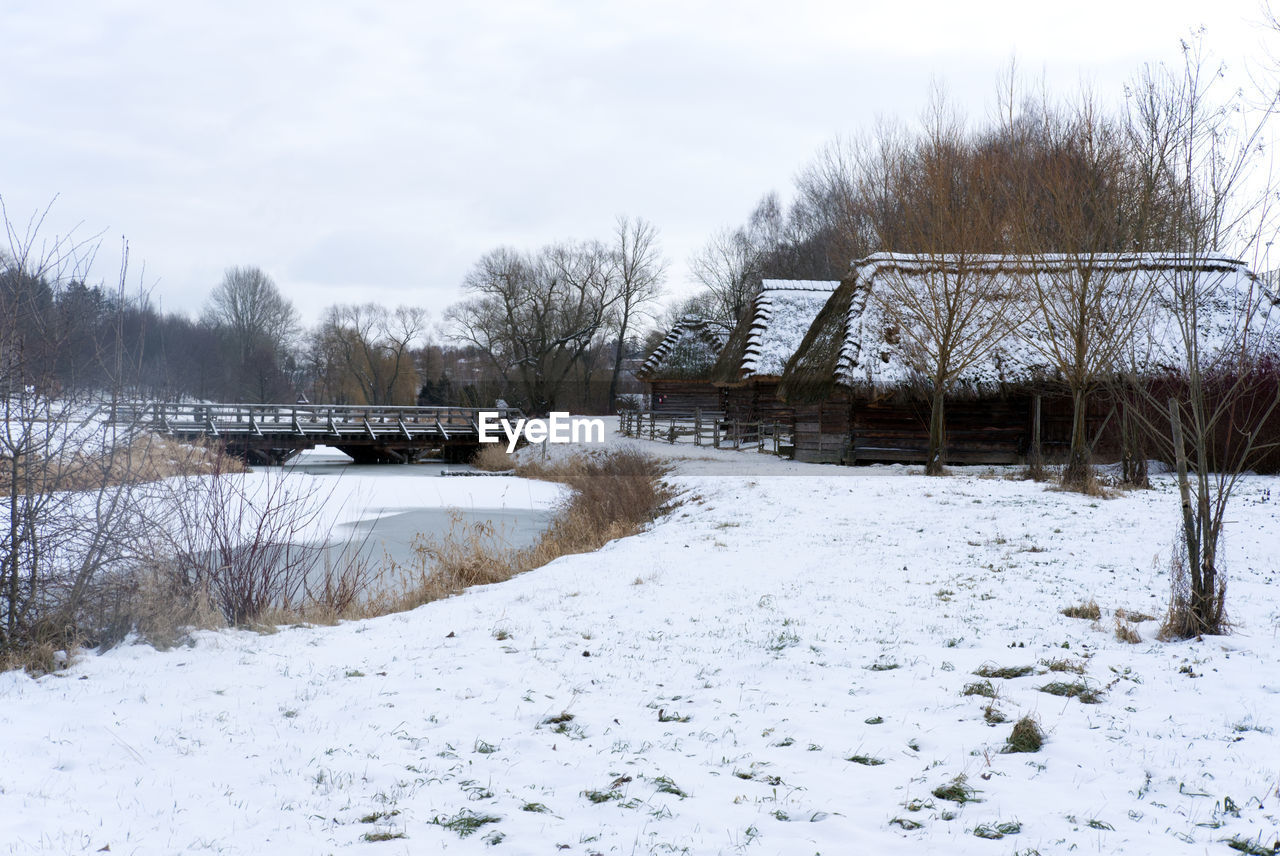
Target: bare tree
[260,326]
[1221,393]
[537,317]
[365,352]
[1087,304]
[640,270]
[733,262]
[831,212]
[68,491]
[946,300]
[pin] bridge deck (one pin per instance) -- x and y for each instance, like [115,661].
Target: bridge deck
[273,433]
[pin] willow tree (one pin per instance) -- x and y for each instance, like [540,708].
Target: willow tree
[947,301]
[1087,303]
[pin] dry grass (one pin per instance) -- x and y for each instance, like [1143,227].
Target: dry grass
[36,658]
[157,607]
[146,458]
[1087,483]
[1089,610]
[472,554]
[1184,620]
[1133,615]
[492,458]
[1126,632]
[614,495]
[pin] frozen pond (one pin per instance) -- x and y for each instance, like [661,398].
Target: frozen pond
[384,507]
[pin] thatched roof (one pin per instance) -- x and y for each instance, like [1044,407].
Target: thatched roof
[687,352]
[854,344]
[769,334]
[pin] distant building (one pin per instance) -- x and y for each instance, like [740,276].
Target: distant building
[678,371]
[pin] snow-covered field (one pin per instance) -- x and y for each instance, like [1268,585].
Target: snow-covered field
[700,688]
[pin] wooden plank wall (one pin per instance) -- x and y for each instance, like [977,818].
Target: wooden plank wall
[683,396]
[991,431]
[822,430]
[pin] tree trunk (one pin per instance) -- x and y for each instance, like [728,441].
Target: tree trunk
[936,464]
[613,379]
[1077,471]
[1200,537]
[1133,450]
[1035,454]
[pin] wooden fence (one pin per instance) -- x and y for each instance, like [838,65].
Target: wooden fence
[705,428]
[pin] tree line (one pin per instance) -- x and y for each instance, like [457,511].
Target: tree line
[546,329]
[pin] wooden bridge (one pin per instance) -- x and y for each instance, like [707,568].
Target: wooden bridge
[274,433]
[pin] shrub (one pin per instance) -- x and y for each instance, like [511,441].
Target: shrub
[236,542]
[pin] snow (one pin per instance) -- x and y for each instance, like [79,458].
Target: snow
[730,651]
[1230,301]
[784,311]
[689,349]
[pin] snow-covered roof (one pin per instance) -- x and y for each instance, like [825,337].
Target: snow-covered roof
[688,351]
[781,316]
[856,340]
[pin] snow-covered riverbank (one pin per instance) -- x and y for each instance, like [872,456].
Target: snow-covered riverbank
[700,688]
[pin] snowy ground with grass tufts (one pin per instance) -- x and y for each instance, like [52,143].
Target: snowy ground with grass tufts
[798,660]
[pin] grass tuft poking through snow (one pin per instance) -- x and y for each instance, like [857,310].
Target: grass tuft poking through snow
[466,822]
[1089,610]
[1073,689]
[1126,632]
[1027,736]
[979,688]
[996,831]
[958,790]
[988,670]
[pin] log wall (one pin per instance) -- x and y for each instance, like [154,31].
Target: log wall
[683,396]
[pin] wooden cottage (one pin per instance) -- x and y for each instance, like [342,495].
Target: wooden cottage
[678,371]
[751,364]
[855,357]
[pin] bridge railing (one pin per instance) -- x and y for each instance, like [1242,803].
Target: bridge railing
[301,418]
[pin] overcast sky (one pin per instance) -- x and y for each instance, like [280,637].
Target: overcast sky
[372,151]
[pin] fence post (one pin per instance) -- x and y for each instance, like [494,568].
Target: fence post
[697,426]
